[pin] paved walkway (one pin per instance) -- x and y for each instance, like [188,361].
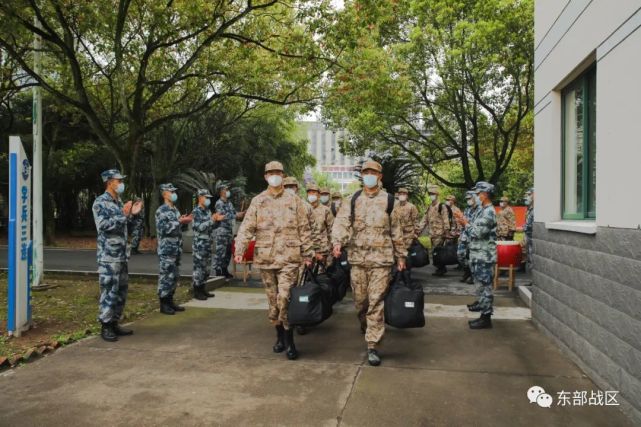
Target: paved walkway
[214,366]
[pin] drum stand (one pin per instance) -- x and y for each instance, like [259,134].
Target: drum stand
[510,280]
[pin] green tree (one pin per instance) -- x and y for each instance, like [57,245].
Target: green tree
[440,80]
[131,66]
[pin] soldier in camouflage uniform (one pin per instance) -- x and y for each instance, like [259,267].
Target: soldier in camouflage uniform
[138,228]
[455,227]
[529,226]
[322,222]
[112,219]
[325,196]
[463,248]
[203,226]
[337,199]
[482,234]
[437,221]
[505,221]
[408,215]
[280,224]
[224,233]
[168,228]
[374,242]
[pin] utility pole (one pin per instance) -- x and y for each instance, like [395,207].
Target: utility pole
[38,241]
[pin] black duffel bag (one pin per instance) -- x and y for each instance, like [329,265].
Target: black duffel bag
[326,282]
[417,255]
[339,272]
[309,302]
[404,303]
[445,254]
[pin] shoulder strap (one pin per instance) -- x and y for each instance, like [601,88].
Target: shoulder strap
[333,208]
[390,204]
[353,206]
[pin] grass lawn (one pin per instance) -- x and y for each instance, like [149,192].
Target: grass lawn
[68,312]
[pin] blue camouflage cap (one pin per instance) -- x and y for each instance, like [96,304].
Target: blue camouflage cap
[111,174]
[167,187]
[483,187]
[530,190]
[204,192]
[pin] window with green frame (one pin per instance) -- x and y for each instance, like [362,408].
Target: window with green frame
[579,147]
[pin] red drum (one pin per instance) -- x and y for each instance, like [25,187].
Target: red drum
[249,253]
[508,253]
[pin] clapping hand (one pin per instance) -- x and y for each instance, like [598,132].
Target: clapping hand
[185,219]
[217,217]
[137,207]
[126,209]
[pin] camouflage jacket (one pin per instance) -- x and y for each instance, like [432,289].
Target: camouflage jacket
[529,222]
[138,220]
[203,224]
[482,234]
[408,215]
[436,220]
[112,228]
[169,230]
[281,227]
[470,213]
[226,226]
[505,222]
[322,222]
[375,239]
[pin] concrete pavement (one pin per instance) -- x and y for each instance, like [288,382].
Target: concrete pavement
[214,366]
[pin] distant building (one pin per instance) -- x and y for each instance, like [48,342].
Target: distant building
[587,237]
[325,149]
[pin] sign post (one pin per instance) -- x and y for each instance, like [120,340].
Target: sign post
[20,245]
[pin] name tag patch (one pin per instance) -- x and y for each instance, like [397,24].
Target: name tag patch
[303,298]
[409,304]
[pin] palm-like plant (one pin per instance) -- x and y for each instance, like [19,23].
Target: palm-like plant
[398,172]
[193,180]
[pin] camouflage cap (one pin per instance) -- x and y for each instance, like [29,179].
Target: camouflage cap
[433,189]
[222,186]
[312,187]
[111,174]
[469,194]
[505,199]
[289,181]
[402,190]
[337,195]
[204,192]
[484,187]
[274,166]
[373,165]
[167,187]
[325,190]
[451,197]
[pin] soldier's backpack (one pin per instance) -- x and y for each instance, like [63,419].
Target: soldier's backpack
[389,209]
[309,304]
[445,254]
[404,303]
[450,214]
[417,255]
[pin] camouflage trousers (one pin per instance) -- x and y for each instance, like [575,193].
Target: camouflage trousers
[463,252]
[113,278]
[369,285]
[168,275]
[222,255]
[136,235]
[483,273]
[201,256]
[278,283]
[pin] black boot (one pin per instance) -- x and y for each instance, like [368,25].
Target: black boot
[292,353]
[173,305]
[120,331]
[227,274]
[373,357]
[466,275]
[483,322]
[107,333]
[165,306]
[474,306]
[198,292]
[470,280]
[279,347]
[218,272]
[207,293]
[301,330]
[440,271]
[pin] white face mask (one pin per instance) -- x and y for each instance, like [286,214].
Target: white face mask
[448,203]
[227,194]
[207,203]
[324,199]
[290,191]
[433,197]
[120,188]
[312,198]
[370,181]
[275,180]
[402,198]
[503,204]
[528,201]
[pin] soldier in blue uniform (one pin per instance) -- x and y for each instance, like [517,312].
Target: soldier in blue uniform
[203,226]
[138,227]
[463,248]
[112,220]
[168,223]
[224,233]
[482,234]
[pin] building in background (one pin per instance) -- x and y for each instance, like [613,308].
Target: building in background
[587,150]
[325,149]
